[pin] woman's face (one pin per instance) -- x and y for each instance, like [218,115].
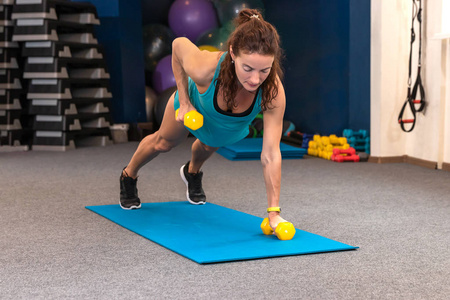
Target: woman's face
[252,69]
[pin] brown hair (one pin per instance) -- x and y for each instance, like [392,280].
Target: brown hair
[252,35]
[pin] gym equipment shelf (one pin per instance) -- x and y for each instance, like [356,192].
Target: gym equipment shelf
[66,140]
[69,106]
[71,122]
[14,134]
[54,67]
[68,90]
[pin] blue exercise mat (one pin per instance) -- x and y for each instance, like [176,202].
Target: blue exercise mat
[250,149]
[211,233]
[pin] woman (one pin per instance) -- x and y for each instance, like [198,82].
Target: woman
[229,89]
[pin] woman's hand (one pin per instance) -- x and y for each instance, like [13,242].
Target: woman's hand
[184,109]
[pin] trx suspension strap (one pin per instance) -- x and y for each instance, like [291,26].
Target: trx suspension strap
[412,96]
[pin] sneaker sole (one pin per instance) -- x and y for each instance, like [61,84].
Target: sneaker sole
[187,188]
[130,208]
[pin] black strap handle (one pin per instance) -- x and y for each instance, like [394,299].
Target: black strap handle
[412,95]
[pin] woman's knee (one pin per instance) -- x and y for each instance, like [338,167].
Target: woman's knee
[208,148]
[164,145]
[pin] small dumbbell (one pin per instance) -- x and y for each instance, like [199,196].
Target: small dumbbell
[284,231]
[362,148]
[327,155]
[305,143]
[313,152]
[356,140]
[349,151]
[312,144]
[330,147]
[340,158]
[325,140]
[319,152]
[360,133]
[338,140]
[192,120]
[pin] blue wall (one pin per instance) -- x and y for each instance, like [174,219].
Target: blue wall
[120,33]
[327,65]
[359,67]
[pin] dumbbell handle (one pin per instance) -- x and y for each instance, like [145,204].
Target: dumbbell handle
[360,133]
[349,151]
[338,140]
[406,121]
[284,231]
[340,158]
[192,119]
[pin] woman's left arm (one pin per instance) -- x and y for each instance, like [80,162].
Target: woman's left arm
[271,155]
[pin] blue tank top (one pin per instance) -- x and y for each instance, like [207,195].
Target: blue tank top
[220,128]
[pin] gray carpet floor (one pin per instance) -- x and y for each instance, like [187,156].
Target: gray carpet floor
[54,248]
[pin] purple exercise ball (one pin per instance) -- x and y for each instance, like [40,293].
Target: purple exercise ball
[190,18]
[163,75]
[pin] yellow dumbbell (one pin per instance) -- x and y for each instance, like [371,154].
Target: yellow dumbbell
[337,140]
[284,231]
[330,147]
[265,226]
[313,152]
[192,120]
[327,154]
[312,144]
[325,140]
[345,146]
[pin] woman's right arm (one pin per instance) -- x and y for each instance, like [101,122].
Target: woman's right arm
[189,61]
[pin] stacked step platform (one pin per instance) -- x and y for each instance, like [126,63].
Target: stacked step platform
[13,118]
[68,92]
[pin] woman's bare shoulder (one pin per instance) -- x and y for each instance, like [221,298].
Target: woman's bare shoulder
[203,66]
[198,64]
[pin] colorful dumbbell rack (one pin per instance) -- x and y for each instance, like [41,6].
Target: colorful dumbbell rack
[323,146]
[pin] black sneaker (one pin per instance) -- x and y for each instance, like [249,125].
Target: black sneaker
[128,192]
[194,192]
